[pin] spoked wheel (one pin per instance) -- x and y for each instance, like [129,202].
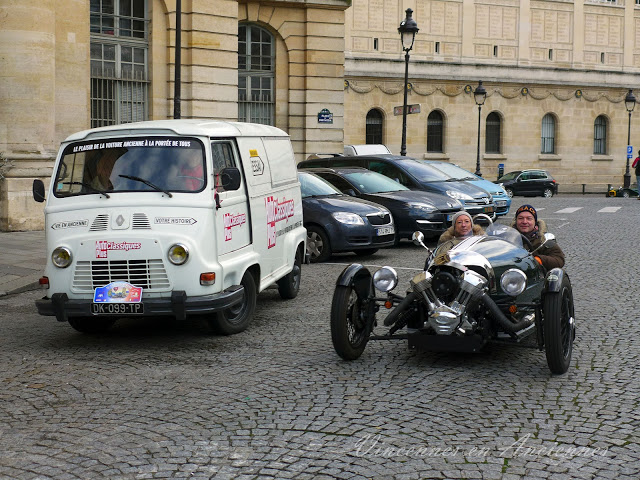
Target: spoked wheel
[289,285]
[548,193]
[236,319]
[349,332]
[318,244]
[509,192]
[625,194]
[91,324]
[559,327]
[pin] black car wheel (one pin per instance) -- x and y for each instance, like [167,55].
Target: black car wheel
[509,192]
[236,319]
[289,285]
[318,244]
[348,326]
[548,193]
[558,327]
[91,324]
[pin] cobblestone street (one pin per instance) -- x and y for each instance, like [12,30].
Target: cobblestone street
[162,399]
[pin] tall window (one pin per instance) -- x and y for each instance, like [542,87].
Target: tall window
[256,75]
[435,132]
[492,142]
[374,127]
[119,63]
[548,134]
[600,136]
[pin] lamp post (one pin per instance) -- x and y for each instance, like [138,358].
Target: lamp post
[629,103]
[479,95]
[408,29]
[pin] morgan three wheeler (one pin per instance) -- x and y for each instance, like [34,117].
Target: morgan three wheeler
[486,288]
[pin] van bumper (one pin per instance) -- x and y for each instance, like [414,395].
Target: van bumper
[178,306]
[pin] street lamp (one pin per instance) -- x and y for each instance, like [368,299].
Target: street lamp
[408,29]
[629,103]
[480,94]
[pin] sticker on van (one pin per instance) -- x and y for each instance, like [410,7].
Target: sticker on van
[276,212]
[232,220]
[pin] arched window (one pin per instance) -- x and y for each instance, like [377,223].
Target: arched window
[256,75]
[374,127]
[548,134]
[492,142]
[600,136]
[119,44]
[435,132]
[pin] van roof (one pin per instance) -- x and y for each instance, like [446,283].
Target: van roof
[193,127]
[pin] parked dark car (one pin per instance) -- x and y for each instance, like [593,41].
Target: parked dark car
[339,223]
[415,175]
[412,210]
[529,183]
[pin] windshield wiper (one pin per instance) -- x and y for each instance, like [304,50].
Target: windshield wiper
[90,187]
[147,182]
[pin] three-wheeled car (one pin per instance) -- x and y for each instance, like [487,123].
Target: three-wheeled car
[483,289]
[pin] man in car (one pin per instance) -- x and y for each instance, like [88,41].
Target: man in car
[528,224]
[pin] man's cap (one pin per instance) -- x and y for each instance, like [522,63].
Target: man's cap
[527,208]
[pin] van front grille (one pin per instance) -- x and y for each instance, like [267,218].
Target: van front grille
[148,274]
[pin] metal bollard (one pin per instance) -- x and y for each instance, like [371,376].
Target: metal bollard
[583,187]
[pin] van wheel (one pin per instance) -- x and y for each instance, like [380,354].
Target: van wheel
[318,244]
[289,285]
[236,319]
[91,324]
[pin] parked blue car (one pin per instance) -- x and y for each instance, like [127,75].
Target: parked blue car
[500,197]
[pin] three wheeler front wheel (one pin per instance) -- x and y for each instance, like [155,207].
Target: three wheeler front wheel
[349,332]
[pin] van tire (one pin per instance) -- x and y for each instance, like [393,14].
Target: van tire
[289,285]
[236,319]
[91,324]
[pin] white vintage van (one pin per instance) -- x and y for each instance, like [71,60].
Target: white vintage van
[172,217]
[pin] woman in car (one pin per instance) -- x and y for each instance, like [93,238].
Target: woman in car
[461,227]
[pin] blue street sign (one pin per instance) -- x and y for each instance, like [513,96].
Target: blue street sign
[629,151]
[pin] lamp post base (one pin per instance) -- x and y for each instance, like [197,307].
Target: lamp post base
[627,180]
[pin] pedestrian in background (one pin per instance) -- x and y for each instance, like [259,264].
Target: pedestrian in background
[636,165]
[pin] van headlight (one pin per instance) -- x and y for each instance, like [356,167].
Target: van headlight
[61,257]
[385,279]
[513,282]
[178,254]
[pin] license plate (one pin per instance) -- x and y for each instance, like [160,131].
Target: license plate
[487,210]
[117,308]
[385,231]
[501,203]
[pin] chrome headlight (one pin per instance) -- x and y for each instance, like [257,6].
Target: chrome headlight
[178,254]
[385,279]
[513,282]
[348,218]
[459,195]
[61,257]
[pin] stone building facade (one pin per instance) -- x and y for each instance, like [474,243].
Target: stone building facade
[556,73]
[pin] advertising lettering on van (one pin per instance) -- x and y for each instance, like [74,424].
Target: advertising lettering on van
[103,247]
[276,212]
[70,224]
[231,220]
[257,165]
[149,142]
[175,220]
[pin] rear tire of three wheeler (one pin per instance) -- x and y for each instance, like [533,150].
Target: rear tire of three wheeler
[558,327]
[236,319]
[91,324]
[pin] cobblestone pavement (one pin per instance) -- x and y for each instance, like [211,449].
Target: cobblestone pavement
[159,399]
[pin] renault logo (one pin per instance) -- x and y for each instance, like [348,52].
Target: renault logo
[120,220]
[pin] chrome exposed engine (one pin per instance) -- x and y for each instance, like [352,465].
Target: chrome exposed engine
[450,299]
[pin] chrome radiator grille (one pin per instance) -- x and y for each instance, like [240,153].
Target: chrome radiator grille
[148,274]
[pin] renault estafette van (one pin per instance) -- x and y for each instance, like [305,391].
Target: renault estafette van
[171,218]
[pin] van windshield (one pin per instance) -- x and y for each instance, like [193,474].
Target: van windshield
[138,164]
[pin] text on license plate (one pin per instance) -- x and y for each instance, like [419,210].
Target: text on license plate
[488,209]
[385,231]
[117,308]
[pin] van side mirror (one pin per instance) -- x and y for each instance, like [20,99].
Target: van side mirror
[38,190]
[230,178]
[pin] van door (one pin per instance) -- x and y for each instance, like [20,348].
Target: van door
[233,223]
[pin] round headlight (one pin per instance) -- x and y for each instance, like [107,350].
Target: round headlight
[385,279]
[61,257]
[178,254]
[513,282]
